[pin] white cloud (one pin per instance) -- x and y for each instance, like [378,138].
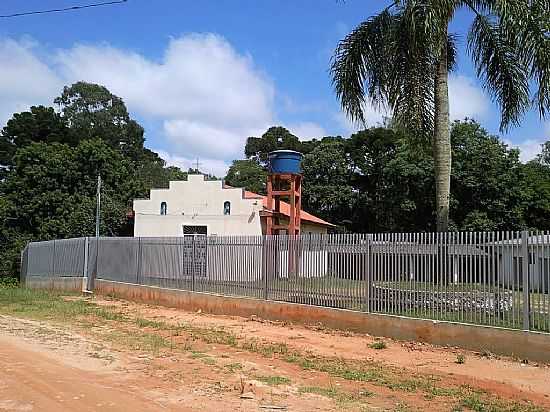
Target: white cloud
[208,97]
[529,149]
[214,166]
[373,116]
[24,79]
[466,99]
[307,130]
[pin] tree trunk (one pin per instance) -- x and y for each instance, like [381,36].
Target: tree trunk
[442,143]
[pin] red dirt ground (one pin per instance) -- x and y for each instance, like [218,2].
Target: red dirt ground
[45,367]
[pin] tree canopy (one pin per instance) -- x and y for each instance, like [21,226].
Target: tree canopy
[49,163]
[382,180]
[401,57]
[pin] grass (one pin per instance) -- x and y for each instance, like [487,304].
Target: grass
[340,396]
[47,305]
[274,380]
[147,323]
[8,282]
[135,333]
[478,403]
[460,359]
[234,367]
[379,344]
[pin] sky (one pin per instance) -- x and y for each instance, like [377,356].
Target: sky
[202,76]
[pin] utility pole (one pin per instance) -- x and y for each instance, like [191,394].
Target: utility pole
[90,284]
[98,207]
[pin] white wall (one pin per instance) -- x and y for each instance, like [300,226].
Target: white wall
[197,202]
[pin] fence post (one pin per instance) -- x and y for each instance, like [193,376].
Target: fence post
[193,264]
[93,275]
[138,268]
[368,275]
[526,285]
[23,265]
[265,268]
[53,260]
[85,267]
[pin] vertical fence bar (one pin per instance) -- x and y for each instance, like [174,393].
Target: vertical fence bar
[498,278]
[85,264]
[264,265]
[368,274]
[525,270]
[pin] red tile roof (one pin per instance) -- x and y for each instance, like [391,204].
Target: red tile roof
[285,209]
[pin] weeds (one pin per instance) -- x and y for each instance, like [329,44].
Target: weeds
[477,402]
[147,323]
[274,380]
[44,305]
[460,359]
[234,367]
[8,282]
[341,397]
[379,344]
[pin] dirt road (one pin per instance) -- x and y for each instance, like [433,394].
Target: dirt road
[33,381]
[128,356]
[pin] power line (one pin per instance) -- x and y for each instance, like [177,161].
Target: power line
[72,8]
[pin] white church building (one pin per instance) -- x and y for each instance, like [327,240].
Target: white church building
[208,207]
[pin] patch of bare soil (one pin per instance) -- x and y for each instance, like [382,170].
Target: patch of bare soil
[141,364]
[505,377]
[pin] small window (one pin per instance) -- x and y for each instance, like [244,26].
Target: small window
[226,208]
[163,208]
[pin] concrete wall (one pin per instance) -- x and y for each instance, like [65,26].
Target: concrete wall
[69,284]
[528,345]
[197,202]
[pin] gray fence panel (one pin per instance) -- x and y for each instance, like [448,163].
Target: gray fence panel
[494,278]
[117,259]
[69,257]
[41,258]
[161,263]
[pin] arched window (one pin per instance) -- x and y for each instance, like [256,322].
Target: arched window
[226,208]
[163,208]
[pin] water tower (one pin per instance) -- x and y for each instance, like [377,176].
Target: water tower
[284,183]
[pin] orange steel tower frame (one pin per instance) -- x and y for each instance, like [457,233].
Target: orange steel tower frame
[281,186]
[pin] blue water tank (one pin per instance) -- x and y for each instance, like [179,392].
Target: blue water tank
[285,161]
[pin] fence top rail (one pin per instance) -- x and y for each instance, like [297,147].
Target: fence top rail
[455,242]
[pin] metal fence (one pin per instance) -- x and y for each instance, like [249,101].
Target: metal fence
[487,278]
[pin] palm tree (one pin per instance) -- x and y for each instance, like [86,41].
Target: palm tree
[400,59]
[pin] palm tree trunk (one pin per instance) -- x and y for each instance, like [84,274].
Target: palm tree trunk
[442,143]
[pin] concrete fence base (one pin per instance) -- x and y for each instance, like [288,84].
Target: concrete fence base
[526,345]
[70,284]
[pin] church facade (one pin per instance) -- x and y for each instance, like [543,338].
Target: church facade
[207,207]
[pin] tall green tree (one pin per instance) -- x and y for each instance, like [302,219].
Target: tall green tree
[327,189]
[488,181]
[248,174]
[49,162]
[536,188]
[275,138]
[50,194]
[92,111]
[401,59]
[393,179]
[39,124]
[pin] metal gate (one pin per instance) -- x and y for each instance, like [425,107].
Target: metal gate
[195,252]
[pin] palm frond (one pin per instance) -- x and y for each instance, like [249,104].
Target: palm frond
[389,60]
[501,67]
[363,57]
[524,27]
[451,51]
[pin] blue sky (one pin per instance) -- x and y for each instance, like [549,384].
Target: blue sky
[201,76]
